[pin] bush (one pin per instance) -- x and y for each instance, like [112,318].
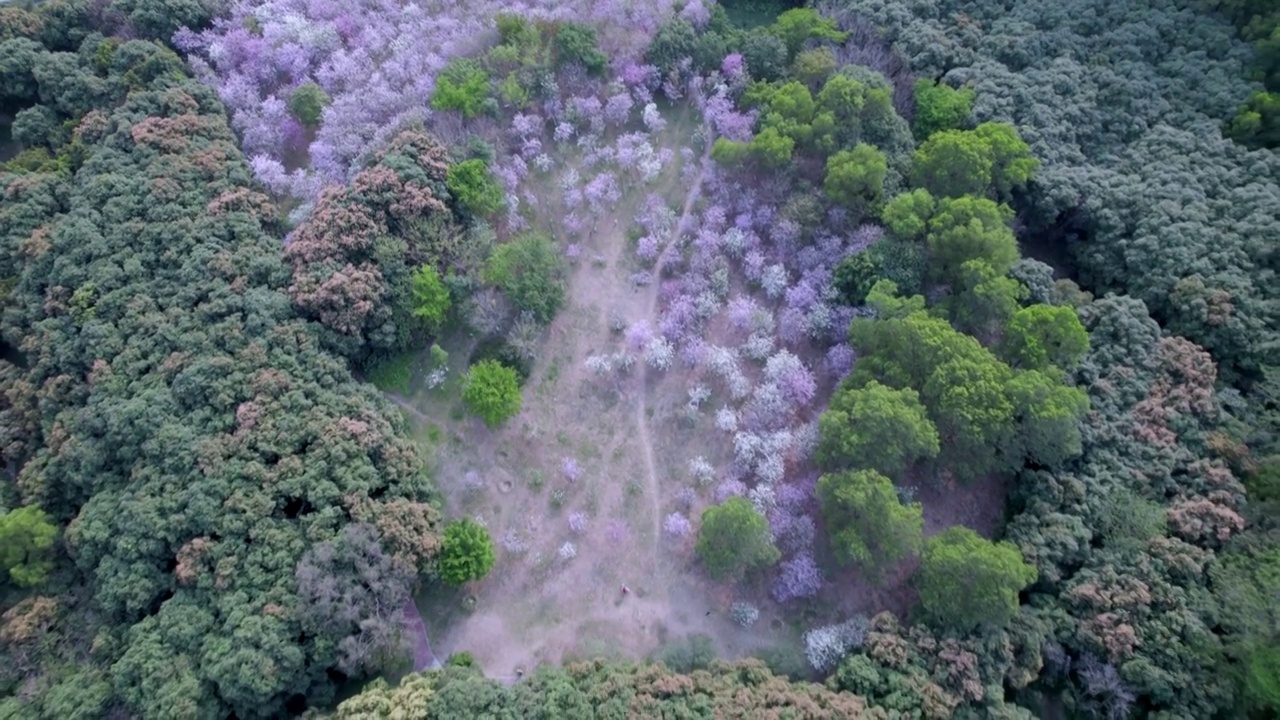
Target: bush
[940,107]
[26,546]
[499,350]
[734,538]
[693,652]
[474,188]
[463,86]
[392,374]
[492,392]
[531,274]
[466,552]
[307,103]
[430,297]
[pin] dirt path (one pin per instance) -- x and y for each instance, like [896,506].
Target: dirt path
[406,406]
[416,630]
[651,302]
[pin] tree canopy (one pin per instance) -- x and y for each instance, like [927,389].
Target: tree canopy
[734,539]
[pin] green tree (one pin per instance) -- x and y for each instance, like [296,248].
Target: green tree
[970,228]
[576,42]
[907,215]
[985,300]
[531,274]
[967,401]
[868,523]
[813,67]
[733,539]
[430,297]
[877,427]
[474,187]
[463,85]
[307,102]
[940,107]
[1257,124]
[674,41]
[771,149]
[967,581]
[26,545]
[991,158]
[797,26]
[952,163]
[466,552]
[855,178]
[1042,336]
[492,391]
[1047,414]
[765,54]
[1012,164]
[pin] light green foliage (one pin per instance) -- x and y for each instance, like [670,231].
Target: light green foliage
[952,163]
[734,539]
[1012,164]
[967,581]
[466,552]
[1039,337]
[492,392]
[1048,415]
[877,427]
[1257,124]
[856,105]
[940,107]
[907,215]
[797,26]
[990,159]
[575,42]
[968,402]
[785,108]
[985,300]
[26,546]
[771,148]
[970,228]
[867,521]
[430,298]
[531,274]
[855,178]
[307,103]
[463,85]
[474,187]
[379,701]
[813,67]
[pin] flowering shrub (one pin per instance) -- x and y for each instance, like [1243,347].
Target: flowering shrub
[798,577]
[677,525]
[744,613]
[825,647]
[568,551]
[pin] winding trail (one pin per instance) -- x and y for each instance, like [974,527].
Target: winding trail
[416,629]
[642,407]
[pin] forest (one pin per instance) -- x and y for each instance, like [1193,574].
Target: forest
[640,358]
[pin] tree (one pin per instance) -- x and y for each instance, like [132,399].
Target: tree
[868,523]
[765,55]
[855,178]
[466,552]
[576,42]
[991,158]
[797,26]
[734,539]
[985,301]
[907,215]
[531,274]
[430,297]
[1039,337]
[876,427]
[967,401]
[492,391]
[970,228]
[940,107]
[26,545]
[967,581]
[474,187]
[674,41]
[463,85]
[1048,416]
[307,102]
